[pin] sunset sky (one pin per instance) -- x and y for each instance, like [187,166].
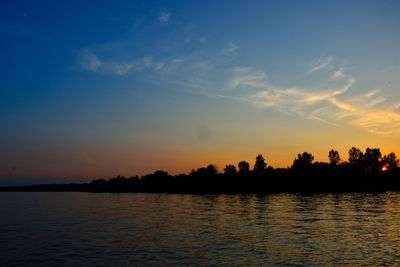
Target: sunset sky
[102,88]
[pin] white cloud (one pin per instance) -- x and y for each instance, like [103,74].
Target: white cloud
[164,17]
[321,63]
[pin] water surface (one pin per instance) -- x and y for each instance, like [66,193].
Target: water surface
[158,229]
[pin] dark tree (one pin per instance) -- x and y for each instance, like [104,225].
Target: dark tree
[208,171]
[365,172]
[156,177]
[211,170]
[372,160]
[390,161]
[355,156]
[260,164]
[303,161]
[334,157]
[244,167]
[230,170]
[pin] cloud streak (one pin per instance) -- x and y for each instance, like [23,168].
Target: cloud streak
[369,111]
[91,62]
[330,100]
[321,64]
[231,49]
[338,74]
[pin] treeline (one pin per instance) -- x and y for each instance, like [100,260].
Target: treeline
[368,171]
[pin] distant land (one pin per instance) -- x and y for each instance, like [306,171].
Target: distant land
[368,171]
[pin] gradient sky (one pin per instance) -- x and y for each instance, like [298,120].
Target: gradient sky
[101,88]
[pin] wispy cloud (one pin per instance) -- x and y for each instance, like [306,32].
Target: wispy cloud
[338,74]
[148,63]
[117,68]
[372,93]
[330,99]
[164,17]
[368,111]
[321,63]
[231,49]
[91,62]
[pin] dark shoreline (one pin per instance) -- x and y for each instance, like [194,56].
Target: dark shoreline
[365,172]
[220,184]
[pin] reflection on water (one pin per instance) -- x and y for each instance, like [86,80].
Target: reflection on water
[158,229]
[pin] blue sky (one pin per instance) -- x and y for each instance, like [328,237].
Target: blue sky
[96,89]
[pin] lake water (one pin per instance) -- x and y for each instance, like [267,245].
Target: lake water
[160,229]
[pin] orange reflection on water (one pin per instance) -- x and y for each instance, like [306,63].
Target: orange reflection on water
[155,229]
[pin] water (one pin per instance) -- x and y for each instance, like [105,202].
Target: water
[161,229]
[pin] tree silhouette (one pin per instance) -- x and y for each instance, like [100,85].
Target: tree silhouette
[208,171]
[390,161]
[363,173]
[211,170]
[355,156]
[244,167]
[334,157]
[230,170]
[372,159]
[303,161]
[260,164]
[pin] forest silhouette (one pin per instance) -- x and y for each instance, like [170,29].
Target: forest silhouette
[364,171]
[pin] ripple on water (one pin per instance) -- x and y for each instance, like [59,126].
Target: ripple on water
[157,229]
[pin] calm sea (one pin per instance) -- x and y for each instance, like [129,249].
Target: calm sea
[161,229]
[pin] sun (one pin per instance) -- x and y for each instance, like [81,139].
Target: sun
[384,168]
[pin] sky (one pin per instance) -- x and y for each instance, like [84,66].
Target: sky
[95,89]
